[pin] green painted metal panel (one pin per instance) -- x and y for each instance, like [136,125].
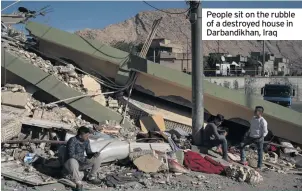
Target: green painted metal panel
[230,95]
[77,42]
[128,62]
[57,89]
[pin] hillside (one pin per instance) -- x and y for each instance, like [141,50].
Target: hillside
[177,28]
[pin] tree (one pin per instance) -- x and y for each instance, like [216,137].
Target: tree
[213,59]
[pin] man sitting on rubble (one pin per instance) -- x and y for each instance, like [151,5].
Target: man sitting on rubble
[258,130]
[76,160]
[213,138]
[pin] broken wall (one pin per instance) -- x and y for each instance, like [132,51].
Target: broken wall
[172,85]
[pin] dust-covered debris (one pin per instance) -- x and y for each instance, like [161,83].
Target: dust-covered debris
[65,73]
[42,155]
[70,76]
[32,107]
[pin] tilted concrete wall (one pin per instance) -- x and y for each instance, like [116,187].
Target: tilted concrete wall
[254,85]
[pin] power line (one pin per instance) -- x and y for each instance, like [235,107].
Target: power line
[10,5]
[167,11]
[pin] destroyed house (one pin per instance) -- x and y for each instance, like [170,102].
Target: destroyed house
[153,79]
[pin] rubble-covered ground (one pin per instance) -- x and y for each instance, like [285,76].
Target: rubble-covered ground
[149,181]
[19,104]
[192,181]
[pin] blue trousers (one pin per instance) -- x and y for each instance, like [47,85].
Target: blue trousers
[223,142]
[248,141]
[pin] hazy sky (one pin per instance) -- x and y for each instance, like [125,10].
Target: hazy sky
[76,15]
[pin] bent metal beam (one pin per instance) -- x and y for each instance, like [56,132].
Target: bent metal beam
[175,86]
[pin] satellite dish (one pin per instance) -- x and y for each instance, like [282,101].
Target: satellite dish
[222,58]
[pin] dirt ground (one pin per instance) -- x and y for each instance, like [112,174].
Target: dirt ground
[192,181]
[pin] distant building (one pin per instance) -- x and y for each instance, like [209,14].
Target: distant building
[165,45]
[281,65]
[253,67]
[164,52]
[272,65]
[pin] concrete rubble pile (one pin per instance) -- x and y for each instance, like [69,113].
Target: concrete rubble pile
[34,133]
[159,158]
[16,96]
[65,73]
[70,76]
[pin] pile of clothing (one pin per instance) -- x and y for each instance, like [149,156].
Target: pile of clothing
[196,162]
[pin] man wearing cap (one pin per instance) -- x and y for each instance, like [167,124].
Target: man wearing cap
[212,137]
[258,130]
[77,161]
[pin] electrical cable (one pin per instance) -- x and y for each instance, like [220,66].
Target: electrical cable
[110,86]
[198,4]
[92,95]
[66,63]
[10,5]
[167,11]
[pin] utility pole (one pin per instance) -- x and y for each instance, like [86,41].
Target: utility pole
[188,54]
[197,73]
[263,56]
[154,55]
[187,69]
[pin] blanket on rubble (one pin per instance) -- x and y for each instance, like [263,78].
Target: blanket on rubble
[196,162]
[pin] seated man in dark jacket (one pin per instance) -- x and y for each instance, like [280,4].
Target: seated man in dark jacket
[212,138]
[76,160]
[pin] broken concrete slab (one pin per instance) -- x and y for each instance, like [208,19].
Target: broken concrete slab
[47,124]
[153,79]
[99,98]
[90,84]
[147,163]
[93,87]
[38,114]
[58,89]
[113,104]
[17,172]
[10,127]
[152,123]
[13,110]
[15,99]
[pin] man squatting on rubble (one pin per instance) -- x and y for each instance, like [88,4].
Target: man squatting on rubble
[256,134]
[213,138]
[76,160]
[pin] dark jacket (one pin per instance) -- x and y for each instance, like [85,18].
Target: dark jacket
[76,149]
[210,133]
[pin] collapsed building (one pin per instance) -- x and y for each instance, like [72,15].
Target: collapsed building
[102,60]
[66,68]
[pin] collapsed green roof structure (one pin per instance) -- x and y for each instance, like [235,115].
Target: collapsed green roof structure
[57,89]
[102,60]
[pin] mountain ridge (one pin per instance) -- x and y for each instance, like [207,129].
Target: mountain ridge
[177,28]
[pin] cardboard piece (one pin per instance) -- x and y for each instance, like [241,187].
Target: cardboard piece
[152,123]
